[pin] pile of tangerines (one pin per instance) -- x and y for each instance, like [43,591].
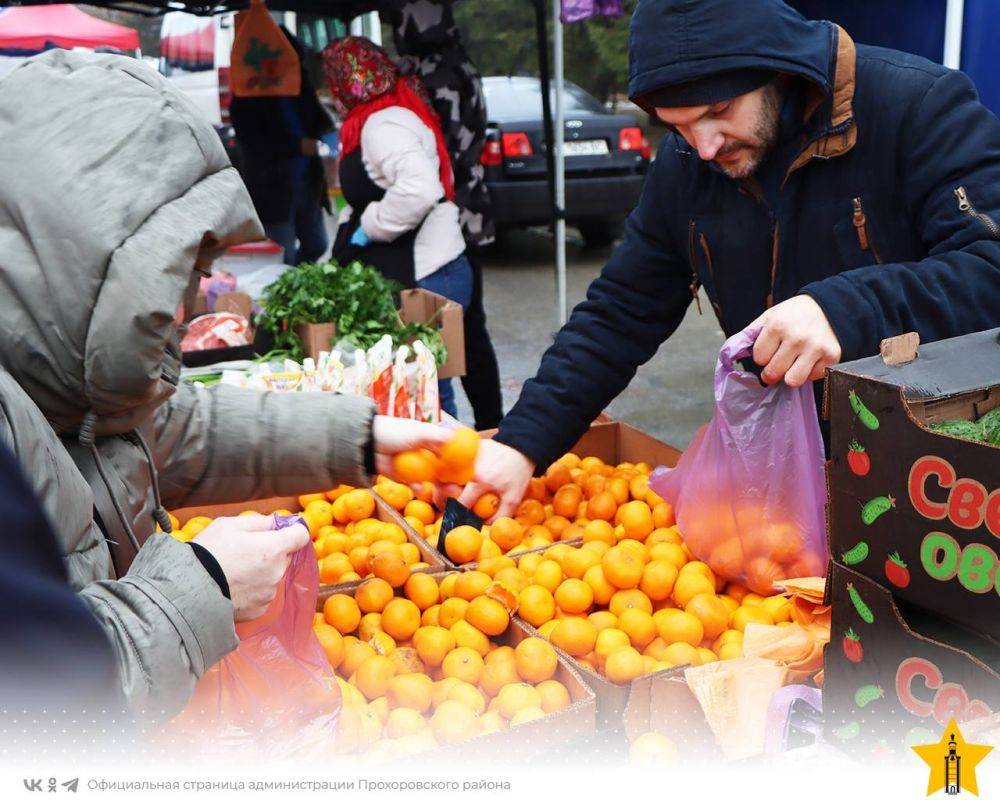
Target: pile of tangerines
[600,568]
[422,666]
[592,559]
[350,541]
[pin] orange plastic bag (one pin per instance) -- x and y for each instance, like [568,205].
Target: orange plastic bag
[276,693]
[263,62]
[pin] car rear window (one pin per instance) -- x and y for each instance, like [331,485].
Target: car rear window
[520,99]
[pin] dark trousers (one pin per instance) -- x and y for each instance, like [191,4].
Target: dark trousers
[481,381]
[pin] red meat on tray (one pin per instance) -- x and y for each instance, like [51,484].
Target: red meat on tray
[220,329]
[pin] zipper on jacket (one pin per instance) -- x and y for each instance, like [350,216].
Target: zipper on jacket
[775,238]
[965,206]
[711,274]
[691,260]
[861,226]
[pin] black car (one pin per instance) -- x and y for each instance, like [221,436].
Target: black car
[607,157]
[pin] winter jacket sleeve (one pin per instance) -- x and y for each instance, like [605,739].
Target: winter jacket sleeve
[952,141]
[638,301]
[166,620]
[395,155]
[225,445]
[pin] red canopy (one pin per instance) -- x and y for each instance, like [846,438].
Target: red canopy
[188,43]
[63,25]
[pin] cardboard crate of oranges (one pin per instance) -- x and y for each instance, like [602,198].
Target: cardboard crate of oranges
[600,569]
[355,533]
[439,662]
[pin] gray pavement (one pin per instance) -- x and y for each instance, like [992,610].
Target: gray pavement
[670,397]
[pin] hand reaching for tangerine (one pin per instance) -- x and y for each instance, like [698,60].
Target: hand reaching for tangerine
[396,438]
[452,465]
[501,470]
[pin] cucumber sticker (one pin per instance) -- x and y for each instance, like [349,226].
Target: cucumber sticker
[868,419]
[876,507]
[867,694]
[848,731]
[859,605]
[856,554]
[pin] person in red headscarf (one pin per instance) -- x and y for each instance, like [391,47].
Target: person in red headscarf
[395,172]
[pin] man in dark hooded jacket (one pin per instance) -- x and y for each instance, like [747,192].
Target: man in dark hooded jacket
[832,193]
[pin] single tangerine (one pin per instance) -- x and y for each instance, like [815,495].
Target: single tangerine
[622,568]
[488,615]
[461,449]
[535,660]
[462,544]
[576,636]
[415,466]
[400,619]
[574,596]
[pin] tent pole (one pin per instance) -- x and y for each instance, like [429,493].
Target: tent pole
[953,25]
[541,14]
[560,159]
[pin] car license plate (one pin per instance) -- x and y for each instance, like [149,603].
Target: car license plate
[589,147]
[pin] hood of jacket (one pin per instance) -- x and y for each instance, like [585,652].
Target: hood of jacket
[113,188]
[674,41]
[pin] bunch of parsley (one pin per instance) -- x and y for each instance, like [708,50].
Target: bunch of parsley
[356,298]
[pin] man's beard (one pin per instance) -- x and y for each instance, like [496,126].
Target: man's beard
[764,136]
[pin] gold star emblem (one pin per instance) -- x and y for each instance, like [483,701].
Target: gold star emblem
[952,761]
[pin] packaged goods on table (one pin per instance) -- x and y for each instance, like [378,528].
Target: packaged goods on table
[402,382]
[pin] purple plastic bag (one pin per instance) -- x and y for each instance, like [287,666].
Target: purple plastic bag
[576,10]
[749,492]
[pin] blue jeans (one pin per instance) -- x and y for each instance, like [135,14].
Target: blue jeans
[454,281]
[304,235]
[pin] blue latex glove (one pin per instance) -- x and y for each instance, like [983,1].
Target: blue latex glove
[360,238]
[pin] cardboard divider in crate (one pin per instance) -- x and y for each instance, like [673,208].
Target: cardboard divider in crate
[527,740]
[383,511]
[895,675]
[661,701]
[575,542]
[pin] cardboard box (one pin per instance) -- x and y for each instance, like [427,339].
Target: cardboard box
[419,305]
[577,720]
[416,305]
[316,337]
[664,703]
[900,493]
[615,442]
[383,511]
[904,676]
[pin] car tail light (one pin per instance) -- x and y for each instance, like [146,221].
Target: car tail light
[516,145]
[225,95]
[492,155]
[633,139]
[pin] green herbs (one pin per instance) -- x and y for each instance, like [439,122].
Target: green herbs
[961,428]
[356,298]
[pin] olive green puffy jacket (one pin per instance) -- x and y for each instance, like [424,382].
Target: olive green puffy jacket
[112,188]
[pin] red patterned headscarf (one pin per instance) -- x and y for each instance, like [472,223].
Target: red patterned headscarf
[363,80]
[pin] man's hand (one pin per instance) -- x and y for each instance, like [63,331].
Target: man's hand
[309,147]
[499,469]
[253,557]
[394,436]
[796,342]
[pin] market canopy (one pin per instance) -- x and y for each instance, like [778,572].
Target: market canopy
[41,27]
[188,42]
